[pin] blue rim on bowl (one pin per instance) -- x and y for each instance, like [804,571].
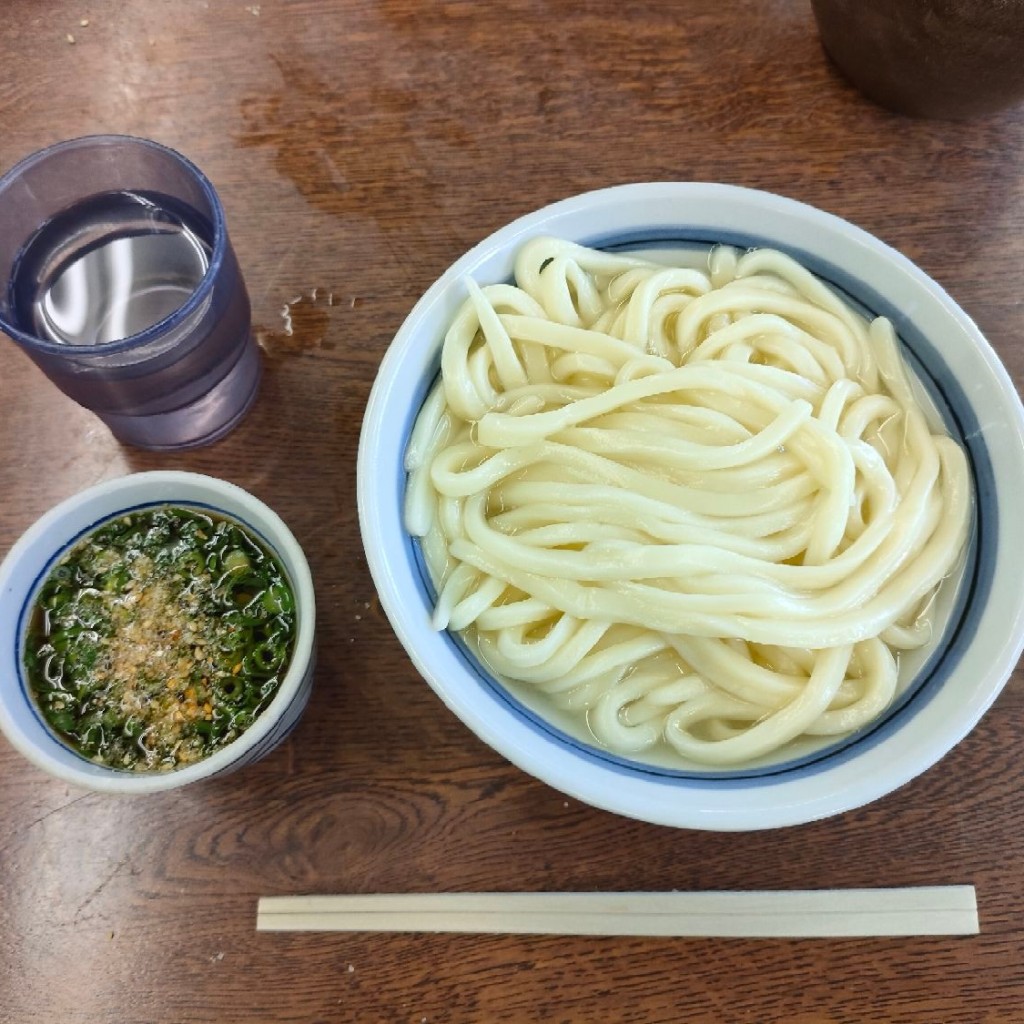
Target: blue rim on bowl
[984,632]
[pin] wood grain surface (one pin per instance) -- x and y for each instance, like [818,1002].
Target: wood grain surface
[360,146]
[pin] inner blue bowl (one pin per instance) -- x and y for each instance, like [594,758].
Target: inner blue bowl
[973,589]
[280,731]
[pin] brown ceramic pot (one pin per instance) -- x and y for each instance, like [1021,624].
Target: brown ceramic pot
[929,58]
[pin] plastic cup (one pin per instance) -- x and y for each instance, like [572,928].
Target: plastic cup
[184,380]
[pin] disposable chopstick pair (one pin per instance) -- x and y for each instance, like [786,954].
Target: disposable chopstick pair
[819,913]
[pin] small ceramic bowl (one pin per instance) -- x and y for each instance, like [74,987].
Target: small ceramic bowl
[982,629]
[30,561]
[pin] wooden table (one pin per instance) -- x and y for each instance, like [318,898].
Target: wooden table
[360,146]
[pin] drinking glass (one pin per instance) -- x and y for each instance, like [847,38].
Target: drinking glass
[123,287]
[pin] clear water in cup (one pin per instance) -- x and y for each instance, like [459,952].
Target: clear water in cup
[110,266]
[107,268]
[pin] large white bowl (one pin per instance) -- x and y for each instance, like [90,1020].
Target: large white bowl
[29,562]
[979,646]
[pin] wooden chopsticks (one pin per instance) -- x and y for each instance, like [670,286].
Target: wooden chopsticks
[818,913]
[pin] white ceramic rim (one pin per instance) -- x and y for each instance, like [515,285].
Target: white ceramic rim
[715,211]
[158,487]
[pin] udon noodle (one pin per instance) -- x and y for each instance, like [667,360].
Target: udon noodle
[702,510]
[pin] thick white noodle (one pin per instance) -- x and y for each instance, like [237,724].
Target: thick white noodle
[701,512]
